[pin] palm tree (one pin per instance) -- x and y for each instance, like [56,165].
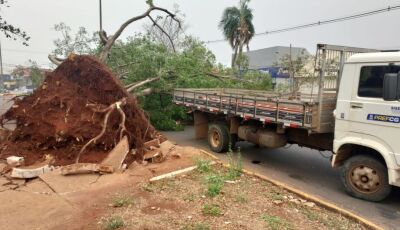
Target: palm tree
[237,27]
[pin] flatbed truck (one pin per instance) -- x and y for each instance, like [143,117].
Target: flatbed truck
[354,112]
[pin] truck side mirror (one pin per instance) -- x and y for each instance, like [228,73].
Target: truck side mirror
[390,87]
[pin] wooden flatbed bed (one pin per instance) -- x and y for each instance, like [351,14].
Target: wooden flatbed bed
[265,107]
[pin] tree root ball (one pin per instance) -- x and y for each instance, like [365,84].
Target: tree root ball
[69,109]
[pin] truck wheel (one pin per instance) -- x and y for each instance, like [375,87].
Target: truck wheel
[366,178]
[218,138]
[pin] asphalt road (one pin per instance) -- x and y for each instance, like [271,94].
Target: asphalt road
[307,170]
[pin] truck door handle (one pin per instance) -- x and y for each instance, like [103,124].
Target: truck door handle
[356,105]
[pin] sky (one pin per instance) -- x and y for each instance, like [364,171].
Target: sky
[202,17]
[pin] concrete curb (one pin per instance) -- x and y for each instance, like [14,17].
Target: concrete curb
[307,196]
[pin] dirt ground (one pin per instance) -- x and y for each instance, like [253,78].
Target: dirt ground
[184,203]
[54,201]
[188,201]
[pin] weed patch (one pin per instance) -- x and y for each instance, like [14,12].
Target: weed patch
[114,223]
[276,196]
[203,166]
[215,183]
[275,222]
[211,210]
[122,200]
[197,226]
[241,198]
[148,188]
[235,165]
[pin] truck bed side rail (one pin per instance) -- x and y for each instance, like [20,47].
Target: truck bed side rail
[265,109]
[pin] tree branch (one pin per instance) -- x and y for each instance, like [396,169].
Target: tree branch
[111,40]
[56,60]
[131,87]
[103,37]
[127,64]
[222,78]
[163,31]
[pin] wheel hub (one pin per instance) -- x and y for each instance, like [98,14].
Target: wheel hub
[365,179]
[215,139]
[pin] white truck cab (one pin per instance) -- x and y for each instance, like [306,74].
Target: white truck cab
[367,124]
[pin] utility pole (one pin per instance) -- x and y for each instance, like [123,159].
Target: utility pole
[291,69]
[1,70]
[101,16]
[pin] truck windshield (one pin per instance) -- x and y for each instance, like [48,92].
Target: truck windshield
[371,80]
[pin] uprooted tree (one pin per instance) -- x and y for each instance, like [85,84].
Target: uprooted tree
[150,68]
[108,41]
[79,113]
[81,110]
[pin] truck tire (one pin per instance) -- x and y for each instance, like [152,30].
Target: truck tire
[366,178]
[218,138]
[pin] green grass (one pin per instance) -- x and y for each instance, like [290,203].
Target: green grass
[149,187]
[122,200]
[201,226]
[311,215]
[326,220]
[197,226]
[235,165]
[275,222]
[215,182]
[276,196]
[203,166]
[241,198]
[211,210]
[114,223]
[214,189]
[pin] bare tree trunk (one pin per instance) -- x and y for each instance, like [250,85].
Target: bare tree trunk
[234,55]
[240,56]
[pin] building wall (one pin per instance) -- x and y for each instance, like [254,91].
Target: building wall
[269,57]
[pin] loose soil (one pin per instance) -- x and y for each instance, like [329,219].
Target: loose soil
[78,202]
[89,201]
[64,113]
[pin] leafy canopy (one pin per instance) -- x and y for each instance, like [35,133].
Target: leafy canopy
[11,31]
[80,42]
[237,27]
[237,23]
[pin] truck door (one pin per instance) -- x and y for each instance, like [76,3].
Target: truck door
[370,116]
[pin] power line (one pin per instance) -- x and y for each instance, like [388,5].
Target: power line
[25,51]
[319,23]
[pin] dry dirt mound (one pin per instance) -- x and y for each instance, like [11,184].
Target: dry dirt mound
[64,113]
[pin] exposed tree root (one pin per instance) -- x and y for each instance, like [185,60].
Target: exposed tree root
[117,105]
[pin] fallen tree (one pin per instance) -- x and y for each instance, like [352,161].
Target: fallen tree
[79,113]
